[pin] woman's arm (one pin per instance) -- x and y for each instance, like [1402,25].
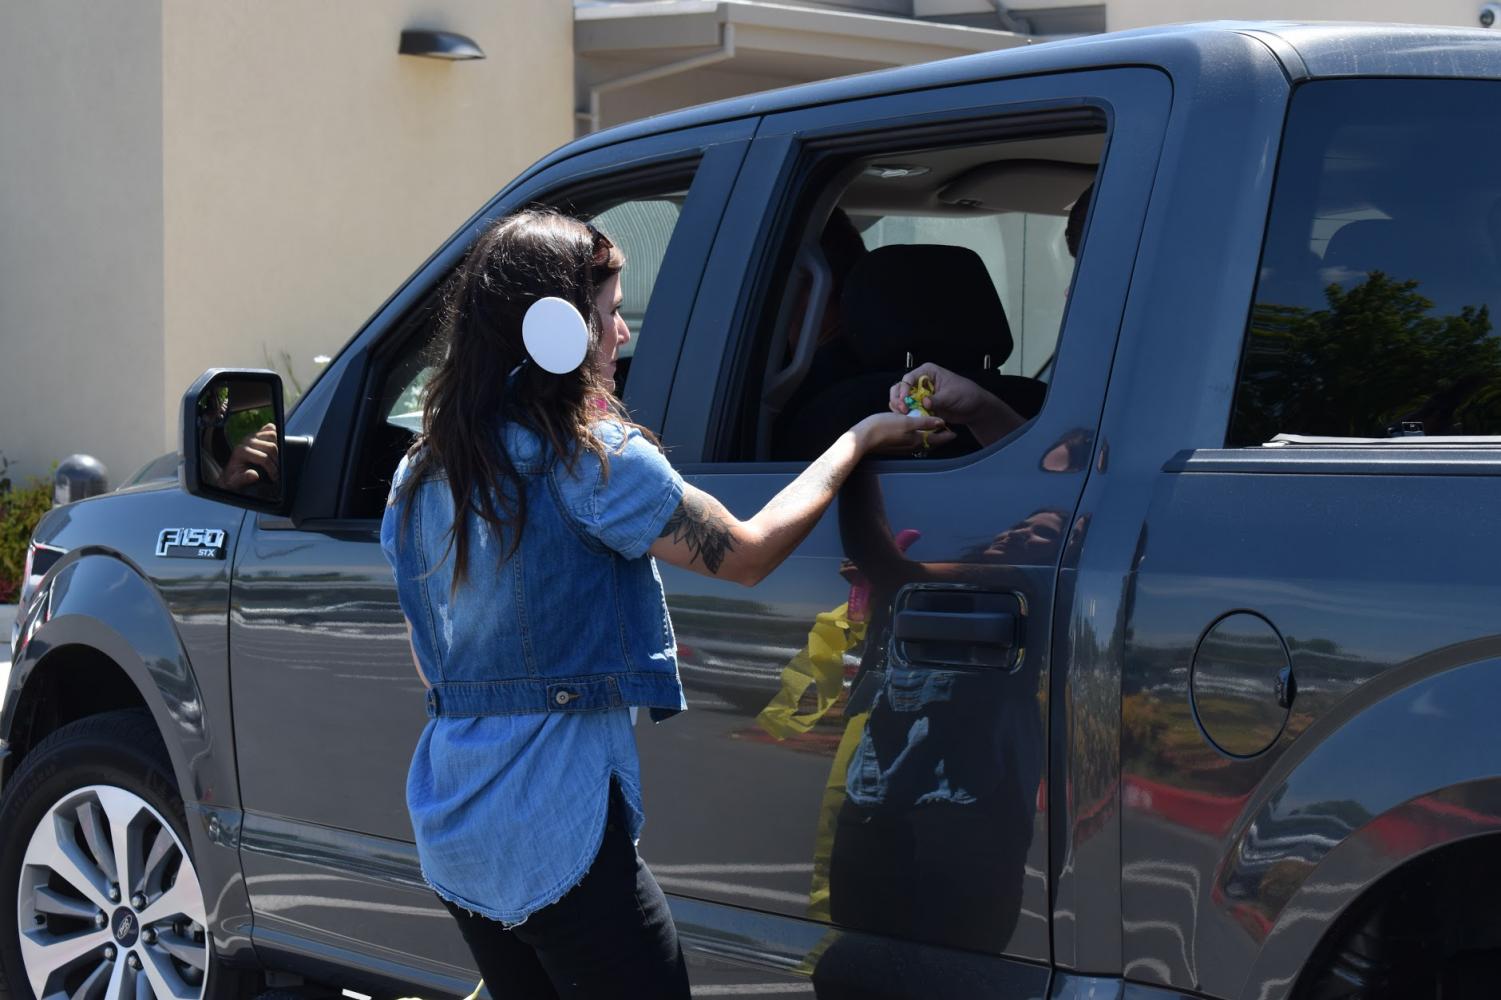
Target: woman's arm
[701,535]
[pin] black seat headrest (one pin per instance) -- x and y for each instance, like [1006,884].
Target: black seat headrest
[935,302]
[1361,246]
[1450,262]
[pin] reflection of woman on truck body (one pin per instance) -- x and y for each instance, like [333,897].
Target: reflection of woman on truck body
[949,762]
[519,529]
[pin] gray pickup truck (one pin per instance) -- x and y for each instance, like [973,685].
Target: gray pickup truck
[1185,685]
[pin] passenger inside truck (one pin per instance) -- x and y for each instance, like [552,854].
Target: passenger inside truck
[952,257]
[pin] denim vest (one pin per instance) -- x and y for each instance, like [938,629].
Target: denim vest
[575,619]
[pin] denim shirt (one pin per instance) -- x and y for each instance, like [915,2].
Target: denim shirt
[532,664]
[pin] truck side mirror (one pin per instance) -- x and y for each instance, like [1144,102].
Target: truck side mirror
[233,442]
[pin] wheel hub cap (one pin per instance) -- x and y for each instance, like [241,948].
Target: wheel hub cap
[125,926]
[90,841]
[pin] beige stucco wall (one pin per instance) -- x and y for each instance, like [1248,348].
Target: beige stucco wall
[309,169]
[186,184]
[698,86]
[1122,14]
[80,232]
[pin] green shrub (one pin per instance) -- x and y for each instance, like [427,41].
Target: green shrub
[21,507]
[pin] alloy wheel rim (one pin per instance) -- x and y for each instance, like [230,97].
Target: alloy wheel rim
[109,906]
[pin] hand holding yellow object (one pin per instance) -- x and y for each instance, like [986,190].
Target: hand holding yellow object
[917,400]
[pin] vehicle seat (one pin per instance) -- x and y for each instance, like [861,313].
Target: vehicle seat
[935,303]
[1454,267]
[1451,263]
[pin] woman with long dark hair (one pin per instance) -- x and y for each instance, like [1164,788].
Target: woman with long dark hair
[521,528]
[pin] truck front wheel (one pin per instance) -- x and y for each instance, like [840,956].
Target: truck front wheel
[99,899]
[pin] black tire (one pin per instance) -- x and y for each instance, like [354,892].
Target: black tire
[1471,976]
[120,750]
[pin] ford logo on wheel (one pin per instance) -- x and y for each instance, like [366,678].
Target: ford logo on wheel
[126,927]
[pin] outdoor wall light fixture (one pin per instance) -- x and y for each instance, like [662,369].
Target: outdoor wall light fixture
[438,45]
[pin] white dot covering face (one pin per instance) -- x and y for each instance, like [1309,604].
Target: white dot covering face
[555,335]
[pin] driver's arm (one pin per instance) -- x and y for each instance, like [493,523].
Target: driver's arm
[957,400]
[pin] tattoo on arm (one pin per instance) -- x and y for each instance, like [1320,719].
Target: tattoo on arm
[706,534]
[819,483]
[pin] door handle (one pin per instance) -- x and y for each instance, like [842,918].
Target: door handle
[939,625]
[996,629]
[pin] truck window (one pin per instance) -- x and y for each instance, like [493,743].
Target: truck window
[641,225]
[951,255]
[1381,271]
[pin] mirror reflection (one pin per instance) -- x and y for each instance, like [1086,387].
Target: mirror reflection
[238,439]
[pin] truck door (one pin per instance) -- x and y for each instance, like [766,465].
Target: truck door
[858,794]
[327,703]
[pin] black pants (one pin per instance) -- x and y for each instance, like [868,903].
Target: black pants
[610,936]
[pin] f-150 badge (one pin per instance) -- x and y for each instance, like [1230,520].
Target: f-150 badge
[190,543]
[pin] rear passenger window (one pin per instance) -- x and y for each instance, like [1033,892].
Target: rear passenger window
[958,256]
[1381,270]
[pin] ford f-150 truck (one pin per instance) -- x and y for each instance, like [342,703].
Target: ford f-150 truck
[1186,686]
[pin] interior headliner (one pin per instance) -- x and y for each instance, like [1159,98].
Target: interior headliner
[919,195]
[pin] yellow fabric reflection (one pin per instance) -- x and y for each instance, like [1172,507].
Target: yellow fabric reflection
[819,665]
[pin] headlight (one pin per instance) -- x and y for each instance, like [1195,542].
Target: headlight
[39,559]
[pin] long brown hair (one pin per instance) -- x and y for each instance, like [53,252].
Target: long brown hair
[471,394]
